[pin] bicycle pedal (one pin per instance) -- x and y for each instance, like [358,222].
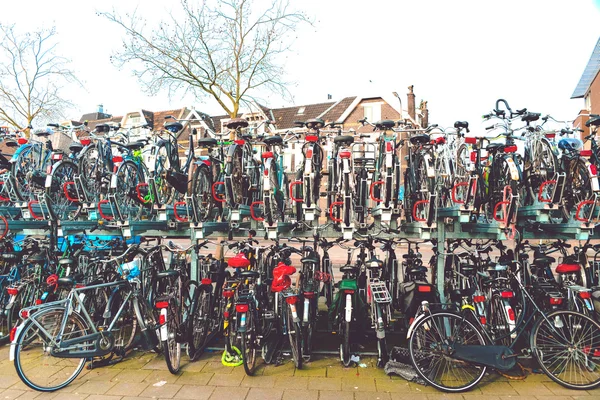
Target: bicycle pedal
[268,315]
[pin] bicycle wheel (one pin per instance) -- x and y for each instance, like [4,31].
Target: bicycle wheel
[381,321]
[34,362]
[344,332]
[171,347]
[22,169]
[92,172]
[347,218]
[566,345]
[430,351]
[147,323]
[295,335]
[61,174]
[201,192]
[164,191]
[129,175]
[199,323]
[581,184]
[499,321]
[248,339]
[234,169]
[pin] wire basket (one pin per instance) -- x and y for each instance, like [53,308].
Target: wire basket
[379,291]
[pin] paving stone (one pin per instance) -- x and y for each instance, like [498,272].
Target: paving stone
[67,396]
[294,394]
[156,363]
[7,381]
[391,386]
[558,390]
[316,372]
[166,391]
[127,389]
[263,393]
[497,389]
[469,396]
[527,389]
[95,387]
[11,394]
[217,368]
[259,381]
[131,375]
[445,396]
[335,395]
[103,397]
[102,374]
[325,383]
[359,385]
[286,369]
[194,378]
[159,376]
[195,366]
[195,392]
[229,393]
[298,382]
[372,396]
[226,380]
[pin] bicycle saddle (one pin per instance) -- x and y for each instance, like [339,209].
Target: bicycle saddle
[374,264]
[170,273]
[315,123]
[173,127]
[420,139]
[135,145]
[249,274]
[102,128]
[343,139]
[385,124]
[39,257]
[570,144]
[530,117]
[348,268]
[492,147]
[66,261]
[416,270]
[543,260]
[66,281]
[311,260]
[207,142]
[568,268]
[10,256]
[593,122]
[239,261]
[236,123]
[282,270]
[461,124]
[75,147]
[467,269]
[11,143]
[273,140]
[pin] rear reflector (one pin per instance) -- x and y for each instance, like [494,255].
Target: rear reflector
[556,300]
[241,307]
[478,299]
[473,156]
[345,154]
[309,295]
[348,291]
[38,302]
[593,169]
[85,142]
[507,295]
[13,332]
[22,141]
[585,153]
[228,293]
[510,149]
[483,320]
[12,291]
[239,142]
[471,140]
[206,281]
[550,135]
[267,154]
[162,304]
[424,289]
[312,138]
[117,159]
[585,295]
[24,314]
[291,299]
[162,319]
[511,314]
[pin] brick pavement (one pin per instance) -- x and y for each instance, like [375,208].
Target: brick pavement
[145,376]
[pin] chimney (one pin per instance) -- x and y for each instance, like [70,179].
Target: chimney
[411,102]
[329,97]
[100,108]
[424,114]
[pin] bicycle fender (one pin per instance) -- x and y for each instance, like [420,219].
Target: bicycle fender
[512,167]
[231,150]
[414,323]
[19,331]
[428,166]
[593,177]
[19,150]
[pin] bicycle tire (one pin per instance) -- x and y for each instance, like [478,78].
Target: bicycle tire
[47,375]
[129,175]
[419,348]
[171,347]
[294,330]
[248,344]
[345,355]
[199,323]
[382,351]
[162,164]
[550,342]
[62,173]
[201,192]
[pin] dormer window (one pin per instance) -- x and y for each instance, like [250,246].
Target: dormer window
[301,110]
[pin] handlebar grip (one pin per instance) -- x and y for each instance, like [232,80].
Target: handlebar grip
[490,127]
[52,125]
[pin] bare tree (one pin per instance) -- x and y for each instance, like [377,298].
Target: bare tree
[31,77]
[229,50]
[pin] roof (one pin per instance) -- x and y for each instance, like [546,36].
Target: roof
[589,74]
[285,117]
[160,117]
[94,116]
[111,121]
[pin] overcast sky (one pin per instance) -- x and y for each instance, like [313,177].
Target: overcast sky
[459,55]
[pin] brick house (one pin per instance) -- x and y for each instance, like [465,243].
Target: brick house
[588,89]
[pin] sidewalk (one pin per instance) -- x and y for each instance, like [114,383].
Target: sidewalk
[145,376]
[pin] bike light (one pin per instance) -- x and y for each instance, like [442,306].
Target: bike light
[162,304]
[507,295]
[226,314]
[511,314]
[593,169]
[597,353]
[162,319]
[349,291]
[471,140]
[389,146]
[206,281]
[13,332]
[510,149]
[239,142]
[228,293]
[267,154]
[424,289]
[309,295]
[556,300]
[85,142]
[241,307]
[483,320]
[291,299]
[207,162]
[24,314]
[117,159]
[38,302]
[345,154]
[585,153]
[550,135]
[12,291]
[57,156]
[585,295]
[22,141]
[309,153]
[478,299]
[312,138]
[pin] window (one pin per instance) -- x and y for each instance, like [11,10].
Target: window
[301,110]
[133,120]
[372,111]
[588,102]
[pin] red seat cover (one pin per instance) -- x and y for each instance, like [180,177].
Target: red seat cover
[239,261]
[568,268]
[280,283]
[282,269]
